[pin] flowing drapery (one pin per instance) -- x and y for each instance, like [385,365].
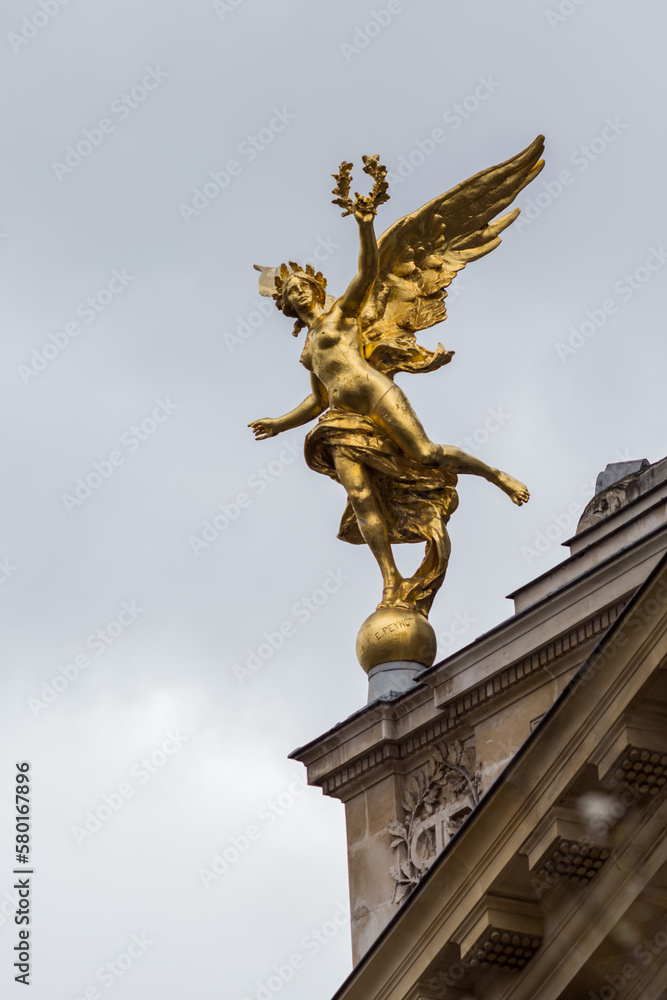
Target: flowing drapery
[415,501]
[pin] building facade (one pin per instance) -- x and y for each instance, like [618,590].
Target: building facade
[506,815]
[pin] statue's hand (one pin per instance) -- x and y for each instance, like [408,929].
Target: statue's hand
[265,428]
[364,210]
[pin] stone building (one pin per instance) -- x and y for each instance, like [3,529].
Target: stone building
[506,814]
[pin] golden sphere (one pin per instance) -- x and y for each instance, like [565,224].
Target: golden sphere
[396,634]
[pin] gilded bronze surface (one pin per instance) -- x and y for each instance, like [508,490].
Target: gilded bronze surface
[391,634]
[401,485]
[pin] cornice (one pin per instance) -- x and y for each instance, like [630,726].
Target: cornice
[455,713]
[508,643]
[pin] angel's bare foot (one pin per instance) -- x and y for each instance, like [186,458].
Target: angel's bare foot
[514,488]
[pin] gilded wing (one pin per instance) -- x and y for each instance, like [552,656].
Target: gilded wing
[422,252]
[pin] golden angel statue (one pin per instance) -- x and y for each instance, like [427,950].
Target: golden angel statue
[401,485]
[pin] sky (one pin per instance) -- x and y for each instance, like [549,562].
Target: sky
[165,640]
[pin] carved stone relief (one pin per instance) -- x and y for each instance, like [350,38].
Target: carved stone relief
[437,800]
[609,501]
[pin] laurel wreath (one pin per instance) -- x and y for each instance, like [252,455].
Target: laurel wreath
[367,203]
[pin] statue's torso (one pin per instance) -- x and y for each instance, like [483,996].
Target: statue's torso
[332,351]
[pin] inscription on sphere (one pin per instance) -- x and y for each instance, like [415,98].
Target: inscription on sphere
[393,627]
[392,634]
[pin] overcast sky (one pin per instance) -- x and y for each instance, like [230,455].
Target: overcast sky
[153,152]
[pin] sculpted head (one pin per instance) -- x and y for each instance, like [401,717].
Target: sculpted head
[302,292]
[298,291]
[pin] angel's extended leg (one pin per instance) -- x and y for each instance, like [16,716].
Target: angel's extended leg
[356,480]
[396,417]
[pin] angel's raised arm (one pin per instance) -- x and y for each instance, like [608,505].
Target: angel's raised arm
[361,286]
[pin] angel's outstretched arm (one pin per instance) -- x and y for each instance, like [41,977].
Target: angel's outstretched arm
[356,296]
[306,411]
